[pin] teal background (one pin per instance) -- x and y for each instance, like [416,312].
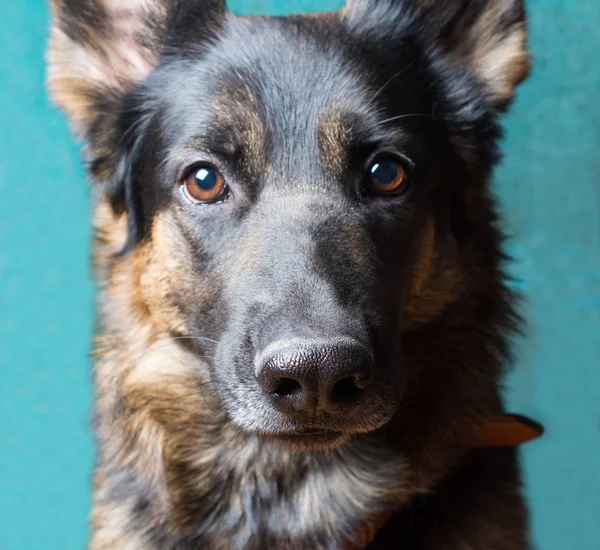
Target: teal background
[549,186]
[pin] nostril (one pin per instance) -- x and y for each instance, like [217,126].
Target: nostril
[287,387]
[314,375]
[347,390]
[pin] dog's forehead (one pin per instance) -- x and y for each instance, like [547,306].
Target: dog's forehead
[295,64]
[280,81]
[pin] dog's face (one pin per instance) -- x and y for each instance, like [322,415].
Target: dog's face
[301,205]
[299,192]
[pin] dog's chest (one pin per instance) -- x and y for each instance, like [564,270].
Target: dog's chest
[308,501]
[273,499]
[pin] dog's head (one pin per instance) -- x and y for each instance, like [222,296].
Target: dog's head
[299,193]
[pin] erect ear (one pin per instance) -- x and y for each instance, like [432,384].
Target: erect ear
[485,37]
[99,49]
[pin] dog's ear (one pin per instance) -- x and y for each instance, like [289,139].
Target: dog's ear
[487,38]
[99,49]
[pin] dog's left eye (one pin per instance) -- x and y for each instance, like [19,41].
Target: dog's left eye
[387,176]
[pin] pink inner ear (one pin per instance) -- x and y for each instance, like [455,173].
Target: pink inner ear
[127,57]
[131,61]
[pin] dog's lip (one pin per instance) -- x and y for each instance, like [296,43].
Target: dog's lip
[306,439]
[302,432]
[308,433]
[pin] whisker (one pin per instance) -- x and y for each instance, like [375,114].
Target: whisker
[392,79]
[195,338]
[400,117]
[192,388]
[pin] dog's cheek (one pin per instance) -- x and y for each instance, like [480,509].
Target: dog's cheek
[424,259]
[173,284]
[164,429]
[436,280]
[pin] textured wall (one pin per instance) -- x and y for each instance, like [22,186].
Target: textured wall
[550,191]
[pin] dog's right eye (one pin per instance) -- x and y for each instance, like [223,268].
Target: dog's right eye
[205,185]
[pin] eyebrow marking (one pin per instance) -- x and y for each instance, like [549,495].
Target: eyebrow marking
[335,135]
[197,142]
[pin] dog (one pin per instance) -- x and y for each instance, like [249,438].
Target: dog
[303,315]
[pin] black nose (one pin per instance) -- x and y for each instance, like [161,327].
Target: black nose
[314,375]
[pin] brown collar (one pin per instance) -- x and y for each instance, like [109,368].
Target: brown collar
[509,430]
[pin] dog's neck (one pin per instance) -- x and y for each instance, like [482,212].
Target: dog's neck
[314,500]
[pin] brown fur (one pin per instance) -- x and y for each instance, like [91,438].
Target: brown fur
[334,137]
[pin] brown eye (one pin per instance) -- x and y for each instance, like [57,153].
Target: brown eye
[206,185]
[387,176]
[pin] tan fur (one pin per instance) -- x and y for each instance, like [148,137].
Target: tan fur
[500,59]
[334,136]
[437,279]
[247,124]
[424,261]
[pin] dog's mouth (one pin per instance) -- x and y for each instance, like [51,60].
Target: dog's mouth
[314,433]
[311,439]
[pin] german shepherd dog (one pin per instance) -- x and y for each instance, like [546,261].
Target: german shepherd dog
[303,314]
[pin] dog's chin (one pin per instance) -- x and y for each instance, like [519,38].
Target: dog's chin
[303,437]
[307,441]
[279,430]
